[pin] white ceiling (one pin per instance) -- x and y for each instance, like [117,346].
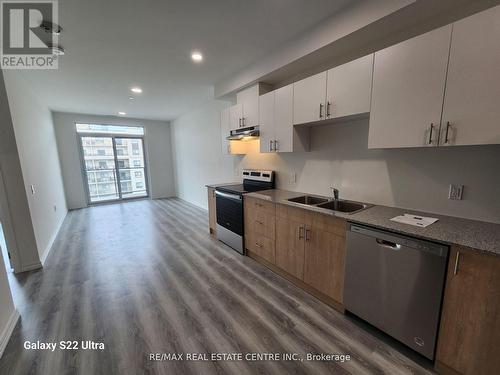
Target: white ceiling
[113,45]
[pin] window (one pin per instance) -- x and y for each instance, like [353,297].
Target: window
[112,173]
[109,129]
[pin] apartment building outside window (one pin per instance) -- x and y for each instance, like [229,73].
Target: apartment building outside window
[113,161]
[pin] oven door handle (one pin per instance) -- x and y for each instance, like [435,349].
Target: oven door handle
[227,195]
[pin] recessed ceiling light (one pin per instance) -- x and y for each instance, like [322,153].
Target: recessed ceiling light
[197,56]
[122,113]
[131,97]
[137,90]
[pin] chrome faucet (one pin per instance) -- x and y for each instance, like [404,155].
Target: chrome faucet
[335,193]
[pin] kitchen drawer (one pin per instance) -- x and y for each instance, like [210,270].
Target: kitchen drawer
[259,204]
[261,246]
[260,222]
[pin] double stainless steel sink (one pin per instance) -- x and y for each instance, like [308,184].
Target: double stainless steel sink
[337,205]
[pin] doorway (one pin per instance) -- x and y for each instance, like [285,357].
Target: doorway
[114,165]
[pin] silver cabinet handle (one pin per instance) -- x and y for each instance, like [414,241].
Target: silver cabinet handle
[301,233]
[308,232]
[275,145]
[243,122]
[321,110]
[239,122]
[270,145]
[457,259]
[430,133]
[259,222]
[258,244]
[328,105]
[447,132]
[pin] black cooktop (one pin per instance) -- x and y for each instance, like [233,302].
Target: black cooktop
[233,189]
[246,187]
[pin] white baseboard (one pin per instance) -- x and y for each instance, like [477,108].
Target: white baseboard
[7,331]
[46,252]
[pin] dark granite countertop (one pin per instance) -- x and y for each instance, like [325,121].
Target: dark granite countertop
[474,234]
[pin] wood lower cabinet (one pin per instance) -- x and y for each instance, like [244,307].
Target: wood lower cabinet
[469,334]
[311,247]
[324,259]
[260,224]
[262,246]
[212,215]
[290,246]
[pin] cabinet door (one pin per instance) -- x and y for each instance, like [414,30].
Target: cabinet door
[349,88]
[249,99]
[471,104]
[212,219]
[290,246]
[266,121]
[225,127]
[408,89]
[283,119]
[309,97]
[469,339]
[235,116]
[324,259]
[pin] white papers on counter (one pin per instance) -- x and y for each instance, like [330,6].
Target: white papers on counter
[418,221]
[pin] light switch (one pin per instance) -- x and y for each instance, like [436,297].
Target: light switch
[455,192]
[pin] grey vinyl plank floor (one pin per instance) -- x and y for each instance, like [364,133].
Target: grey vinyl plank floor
[145,277]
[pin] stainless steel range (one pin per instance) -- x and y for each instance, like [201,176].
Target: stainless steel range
[229,206]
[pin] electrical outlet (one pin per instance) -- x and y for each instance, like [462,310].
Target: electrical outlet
[455,192]
[293,177]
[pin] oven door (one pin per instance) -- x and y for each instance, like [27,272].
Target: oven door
[229,208]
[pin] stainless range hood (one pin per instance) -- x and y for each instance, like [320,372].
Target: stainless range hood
[243,134]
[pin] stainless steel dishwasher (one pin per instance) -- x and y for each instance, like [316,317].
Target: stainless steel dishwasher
[396,283]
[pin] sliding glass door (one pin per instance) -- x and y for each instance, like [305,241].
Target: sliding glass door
[114,167]
[131,167]
[100,169]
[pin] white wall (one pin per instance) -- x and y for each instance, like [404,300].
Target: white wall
[37,147]
[198,159]
[157,145]
[407,178]
[7,309]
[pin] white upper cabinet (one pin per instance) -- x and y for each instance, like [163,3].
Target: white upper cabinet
[471,112]
[349,88]
[266,121]
[235,116]
[225,127]
[277,132]
[342,91]
[283,119]
[408,90]
[309,99]
[249,100]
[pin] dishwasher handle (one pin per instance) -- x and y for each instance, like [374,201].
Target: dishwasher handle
[388,244]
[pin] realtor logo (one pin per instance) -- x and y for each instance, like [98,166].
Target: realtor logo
[29,34]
